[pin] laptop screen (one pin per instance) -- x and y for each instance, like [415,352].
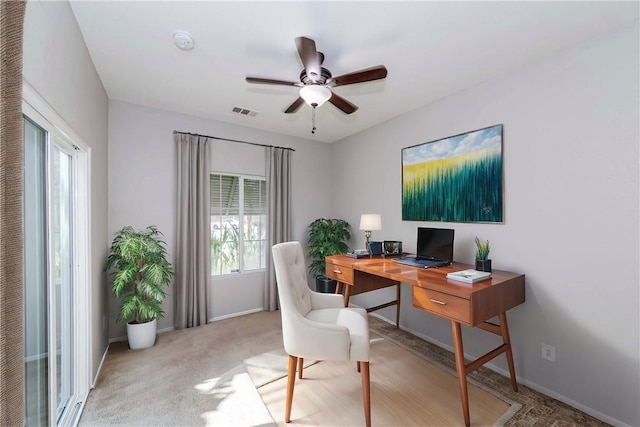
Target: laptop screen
[435,243]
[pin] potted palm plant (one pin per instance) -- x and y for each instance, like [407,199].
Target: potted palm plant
[326,237]
[139,262]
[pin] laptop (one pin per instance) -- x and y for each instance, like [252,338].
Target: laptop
[435,248]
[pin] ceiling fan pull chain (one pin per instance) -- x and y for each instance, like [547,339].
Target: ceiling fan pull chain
[313,120]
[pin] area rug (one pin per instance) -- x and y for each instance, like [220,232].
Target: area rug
[406,390]
[536,409]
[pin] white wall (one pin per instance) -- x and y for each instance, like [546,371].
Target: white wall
[571,169]
[57,65]
[142,188]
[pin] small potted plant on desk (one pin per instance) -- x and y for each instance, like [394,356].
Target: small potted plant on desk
[326,237]
[139,259]
[483,263]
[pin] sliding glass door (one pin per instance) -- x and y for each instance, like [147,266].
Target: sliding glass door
[36,294]
[62,246]
[55,275]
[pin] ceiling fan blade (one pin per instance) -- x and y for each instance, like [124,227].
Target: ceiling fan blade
[260,80]
[366,75]
[309,56]
[346,106]
[295,106]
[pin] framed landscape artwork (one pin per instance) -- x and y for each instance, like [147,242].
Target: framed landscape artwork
[454,179]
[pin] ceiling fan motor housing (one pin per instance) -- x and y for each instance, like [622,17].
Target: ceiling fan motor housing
[307,79]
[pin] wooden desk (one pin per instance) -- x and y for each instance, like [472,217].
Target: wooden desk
[341,268]
[461,303]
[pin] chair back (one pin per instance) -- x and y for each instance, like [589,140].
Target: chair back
[293,291]
[291,277]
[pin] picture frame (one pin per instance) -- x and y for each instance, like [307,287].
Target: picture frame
[375,248]
[455,179]
[392,247]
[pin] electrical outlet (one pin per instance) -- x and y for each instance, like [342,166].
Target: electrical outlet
[548,352]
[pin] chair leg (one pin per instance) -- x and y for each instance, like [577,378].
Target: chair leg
[300,365]
[366,391]
[291,380]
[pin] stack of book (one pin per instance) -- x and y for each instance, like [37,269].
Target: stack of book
[469,276]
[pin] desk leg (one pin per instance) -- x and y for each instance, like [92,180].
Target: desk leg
[504,329]
[456,330]
[347,294]
[338,288]
[398,305]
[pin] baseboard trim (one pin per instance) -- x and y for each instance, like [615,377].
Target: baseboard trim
[95,378]
[587,410]
[117,339]
[242,313]
[169,329]
[124,337]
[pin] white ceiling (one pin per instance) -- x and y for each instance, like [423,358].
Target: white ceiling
[431,49]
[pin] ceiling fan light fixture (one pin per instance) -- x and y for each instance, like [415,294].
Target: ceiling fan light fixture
[315,95]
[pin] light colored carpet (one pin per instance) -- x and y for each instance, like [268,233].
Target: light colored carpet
[194,377]
[209,375]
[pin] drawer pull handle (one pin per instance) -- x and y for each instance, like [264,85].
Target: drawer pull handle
[337,271]
[435,301]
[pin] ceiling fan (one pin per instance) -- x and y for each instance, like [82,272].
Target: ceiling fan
[316,81]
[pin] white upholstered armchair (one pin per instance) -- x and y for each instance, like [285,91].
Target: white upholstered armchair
[317,326]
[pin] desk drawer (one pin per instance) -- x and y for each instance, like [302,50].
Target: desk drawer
[444,305]
[339,273]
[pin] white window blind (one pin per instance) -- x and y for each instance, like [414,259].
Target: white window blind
[238,206]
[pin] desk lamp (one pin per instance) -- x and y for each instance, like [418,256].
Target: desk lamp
[369,223]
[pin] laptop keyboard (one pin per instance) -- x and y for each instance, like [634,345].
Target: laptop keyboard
[414,262]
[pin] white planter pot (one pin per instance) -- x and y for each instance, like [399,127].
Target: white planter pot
[141,335]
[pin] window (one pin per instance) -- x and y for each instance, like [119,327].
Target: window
[238,223]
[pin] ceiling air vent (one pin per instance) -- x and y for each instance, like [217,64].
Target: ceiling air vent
[245,111]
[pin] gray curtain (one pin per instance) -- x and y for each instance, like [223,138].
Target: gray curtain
[193,262]
[12,395]
[279,193]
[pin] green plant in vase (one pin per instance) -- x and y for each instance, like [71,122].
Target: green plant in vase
[483,263]
[326,237]
[142,271]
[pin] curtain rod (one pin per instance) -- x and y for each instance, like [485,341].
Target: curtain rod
[233,140]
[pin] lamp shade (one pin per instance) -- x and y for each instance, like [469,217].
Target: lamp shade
[370,222]
[315,95]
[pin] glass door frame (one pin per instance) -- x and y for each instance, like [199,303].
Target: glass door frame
[60,135]
[64,292]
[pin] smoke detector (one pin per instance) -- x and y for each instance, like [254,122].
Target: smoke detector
[183,40]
